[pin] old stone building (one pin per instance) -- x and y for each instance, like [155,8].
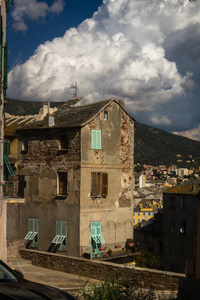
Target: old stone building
[180,217]
[75,171]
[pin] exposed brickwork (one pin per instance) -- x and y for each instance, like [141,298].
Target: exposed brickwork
[43,148]
[139,277]
[126,159]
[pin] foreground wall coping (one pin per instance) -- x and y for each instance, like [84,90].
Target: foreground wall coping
[142,277]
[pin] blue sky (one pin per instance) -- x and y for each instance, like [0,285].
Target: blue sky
[144,52]
[22,44]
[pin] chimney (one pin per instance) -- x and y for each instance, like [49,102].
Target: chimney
[122,104]
[51,121]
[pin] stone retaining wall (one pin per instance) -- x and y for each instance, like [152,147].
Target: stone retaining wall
[140,277]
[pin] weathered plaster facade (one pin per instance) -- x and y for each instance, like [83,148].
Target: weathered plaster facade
[43,160]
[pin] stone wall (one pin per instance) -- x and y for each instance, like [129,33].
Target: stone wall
[13,248]
[140,277]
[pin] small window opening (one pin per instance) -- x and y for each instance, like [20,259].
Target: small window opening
[105,115]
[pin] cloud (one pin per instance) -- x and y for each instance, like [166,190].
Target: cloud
[139,51]
[160,121]
[193,134]
[32,10]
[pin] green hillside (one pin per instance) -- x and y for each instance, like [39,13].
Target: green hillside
[155,146]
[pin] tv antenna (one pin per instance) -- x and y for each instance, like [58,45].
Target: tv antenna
[75,89]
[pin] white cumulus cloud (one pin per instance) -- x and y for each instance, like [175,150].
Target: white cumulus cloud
[33,10]
[127,50]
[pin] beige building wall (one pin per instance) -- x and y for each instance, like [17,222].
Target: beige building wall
[115,211]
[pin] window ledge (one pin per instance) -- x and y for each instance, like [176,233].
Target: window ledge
[63,150]
[61,197]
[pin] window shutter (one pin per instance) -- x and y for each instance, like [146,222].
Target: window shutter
[6,64]
[96,139]
[6,149]
[93,139]
[7,5]
[30,225]
[98,224]
[104,184]
[93,229]
[94,184]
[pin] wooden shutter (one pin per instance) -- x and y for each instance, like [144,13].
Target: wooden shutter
[94,184]
[104,184]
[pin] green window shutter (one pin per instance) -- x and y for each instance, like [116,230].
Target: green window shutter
[98,224]
[104,184]
[6,157]
[61,231]
[6,65]
[7,5]
[6,149]
[96,139]
[8,165]
[34,228]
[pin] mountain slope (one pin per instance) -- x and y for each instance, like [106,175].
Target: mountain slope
[155,146]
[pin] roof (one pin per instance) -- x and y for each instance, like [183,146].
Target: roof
[72,115]
[192,187]
[12,123]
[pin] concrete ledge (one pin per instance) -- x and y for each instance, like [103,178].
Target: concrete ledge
[140,277]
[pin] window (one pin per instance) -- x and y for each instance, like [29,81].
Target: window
[172,202]
[134,221]
[21,185]
[63,143]
[172,227]
[24,145]
[172,248]
[149,214]
[134,214]
[61,235]
[183,227]
[96,238]
[99,184]
[105,115]
[195,204]
[138,214]
[182,250]
[172,267]
[96,139]
[32,235]
[160,247]
[183,203]
[138,220]
[62,183]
